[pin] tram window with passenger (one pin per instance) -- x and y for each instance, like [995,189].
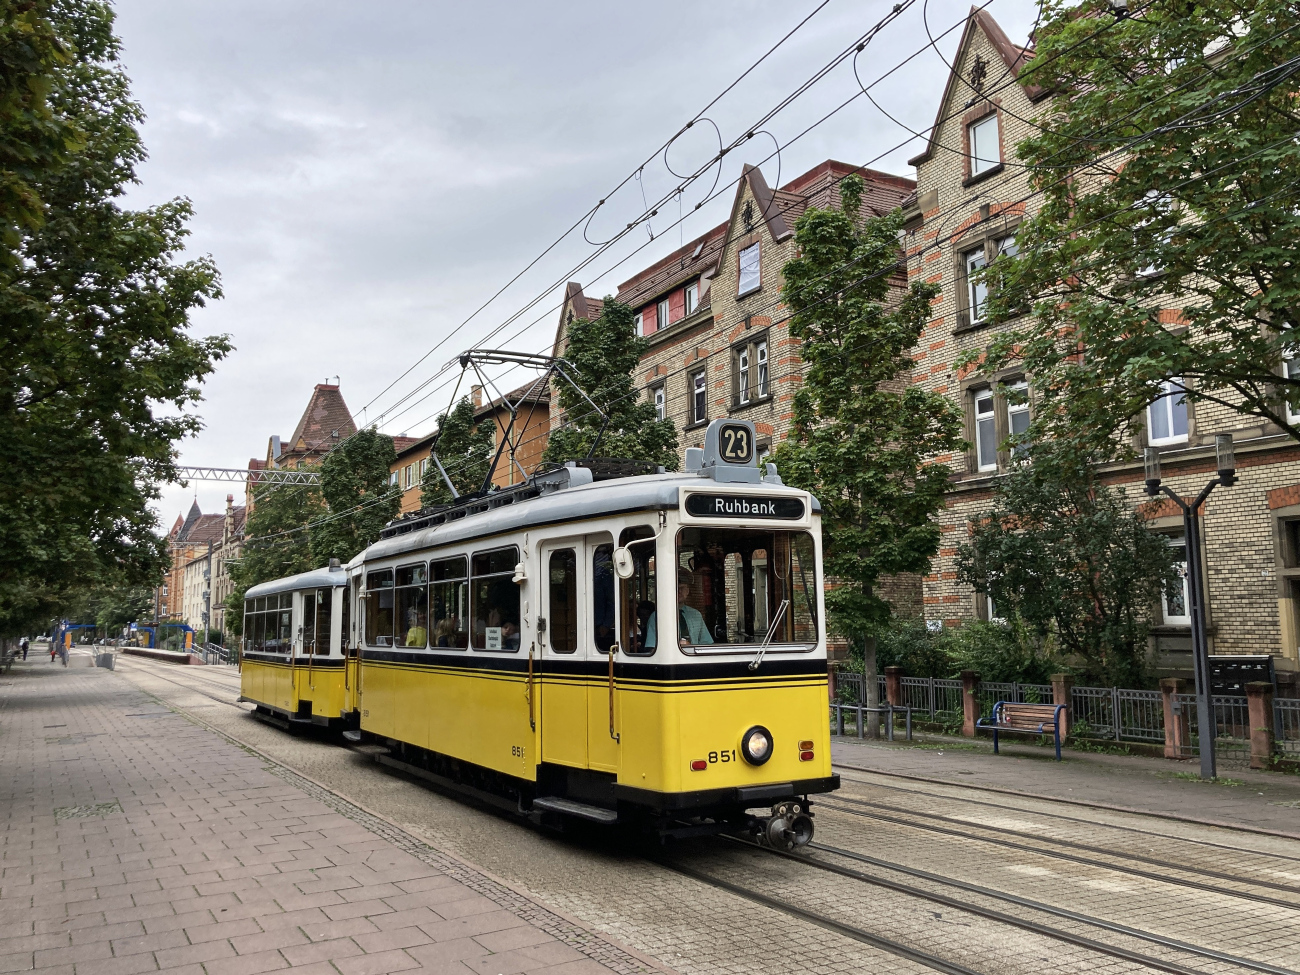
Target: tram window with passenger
[413,606]
[268,623]
[563,619]
[496,600]
[449,602]
[639,596]
[379,608]
[741,586]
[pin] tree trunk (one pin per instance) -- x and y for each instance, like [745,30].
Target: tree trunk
[872,681]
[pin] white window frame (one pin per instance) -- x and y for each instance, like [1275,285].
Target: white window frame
[691,298]
[755,267]
[699,396]
[977,132]
[663,312]
[760,357]
[1291,369]
[1178,541]
[742,374]
[1161,202]
[640,323]
[661,408]
[1005,247]
[985,398]
[394,478]
[1017,409]
[977,291]
[1170,388]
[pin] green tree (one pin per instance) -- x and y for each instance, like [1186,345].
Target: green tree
[276,541]
[465,449]
[1165,243]
[861,432]
[1074,560]
[605,352]
[98,372]
[354,481]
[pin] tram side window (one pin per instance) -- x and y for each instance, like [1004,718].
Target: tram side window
[496,600]
[284,629]
[449,602]
[602,597]
[563,621]
[639,596]
[379,608]
[746,586]
[413,606]
[309,621]
[345,630]
[324,619]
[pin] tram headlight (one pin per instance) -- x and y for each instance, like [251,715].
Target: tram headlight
[756,745]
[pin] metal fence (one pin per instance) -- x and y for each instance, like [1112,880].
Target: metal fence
[1117,714]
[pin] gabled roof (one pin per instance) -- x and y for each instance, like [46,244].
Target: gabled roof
[326,413]
[191,520]
[575,305]
[540,396]
[411,445]
[404,443]
[204,529]
[694,259]
[1013,56]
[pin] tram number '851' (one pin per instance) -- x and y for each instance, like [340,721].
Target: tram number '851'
[724,756]
[735,444]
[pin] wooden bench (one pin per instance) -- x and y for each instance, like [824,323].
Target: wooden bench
[1024,719]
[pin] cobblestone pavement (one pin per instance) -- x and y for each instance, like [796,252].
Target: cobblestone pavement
[1205,886]
[137,841]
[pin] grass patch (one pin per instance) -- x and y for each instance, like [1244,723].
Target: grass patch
[1195,777]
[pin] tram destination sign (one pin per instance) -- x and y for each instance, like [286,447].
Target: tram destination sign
[744,506]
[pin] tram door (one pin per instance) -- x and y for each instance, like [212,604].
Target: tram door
[563,687]
[599,609]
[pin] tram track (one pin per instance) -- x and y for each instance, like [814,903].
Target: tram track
[190,687]
[967,832]
[1020,810]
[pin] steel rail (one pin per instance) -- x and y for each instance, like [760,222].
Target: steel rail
[1076,845]
[842,806]
[1073,819]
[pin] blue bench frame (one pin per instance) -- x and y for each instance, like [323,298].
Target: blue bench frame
[994,725]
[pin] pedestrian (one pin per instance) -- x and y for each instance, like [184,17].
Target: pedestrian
[54,649]
[25,645]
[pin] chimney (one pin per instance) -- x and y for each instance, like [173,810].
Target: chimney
[477,393]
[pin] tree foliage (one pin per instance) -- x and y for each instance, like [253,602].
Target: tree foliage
[465,450]
[1169,174]
[1072,559]
[276,541]
[605,352]
[355,485]
[861,433]
[98,371]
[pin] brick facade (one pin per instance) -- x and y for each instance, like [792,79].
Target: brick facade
[1253,574]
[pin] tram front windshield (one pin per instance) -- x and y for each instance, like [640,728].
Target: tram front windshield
[743,586]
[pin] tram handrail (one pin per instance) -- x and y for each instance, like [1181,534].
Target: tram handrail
[613,649]
[532,721]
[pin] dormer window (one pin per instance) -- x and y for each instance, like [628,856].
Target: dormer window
[661,313]
[985,150]
[640,323]
[692,298]
[750,274]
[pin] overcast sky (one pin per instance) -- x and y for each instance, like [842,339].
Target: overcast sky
[367,175]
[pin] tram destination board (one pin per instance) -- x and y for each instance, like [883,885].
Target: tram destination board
[744,506]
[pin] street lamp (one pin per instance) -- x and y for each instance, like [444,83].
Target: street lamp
[1226,465]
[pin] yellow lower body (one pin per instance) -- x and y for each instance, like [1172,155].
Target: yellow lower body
[286,687]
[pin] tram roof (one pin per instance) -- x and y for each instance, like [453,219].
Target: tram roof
[624,495]
[315,579]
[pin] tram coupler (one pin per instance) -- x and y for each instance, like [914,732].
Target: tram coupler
[788,828]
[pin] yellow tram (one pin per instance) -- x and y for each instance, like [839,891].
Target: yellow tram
[644,649]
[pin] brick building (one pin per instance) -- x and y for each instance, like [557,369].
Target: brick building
[324,423]
[971,195]
[187,541]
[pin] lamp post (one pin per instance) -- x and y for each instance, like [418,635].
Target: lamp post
[1227,476]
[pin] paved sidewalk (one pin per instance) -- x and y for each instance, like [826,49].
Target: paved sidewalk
[136,841]
[1261,800]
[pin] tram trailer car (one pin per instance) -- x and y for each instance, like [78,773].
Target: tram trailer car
[292,665]
[645,650]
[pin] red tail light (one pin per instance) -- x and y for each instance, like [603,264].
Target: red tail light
[699,765]
[805,756]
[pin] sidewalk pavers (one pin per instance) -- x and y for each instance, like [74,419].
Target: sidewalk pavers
[134,840]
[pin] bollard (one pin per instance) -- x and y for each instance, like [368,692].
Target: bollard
[970,702]
[1178,737]
[1259,696]
[1062,693]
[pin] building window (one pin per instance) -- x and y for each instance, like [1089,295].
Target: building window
[750,372]
[750,275]
[662,313]
[1018,416]
[424,467]
[1005,247]
[660,406]
[1174,603]
[977,289]
[760,357]
[985,152]
[1167,416]
[692,298]
[699,398]
[1159,204]
[1291,368]
[640,323]
[986,433]
[392,478]
[742,374]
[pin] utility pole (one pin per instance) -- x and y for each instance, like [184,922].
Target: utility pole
[1226,464]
